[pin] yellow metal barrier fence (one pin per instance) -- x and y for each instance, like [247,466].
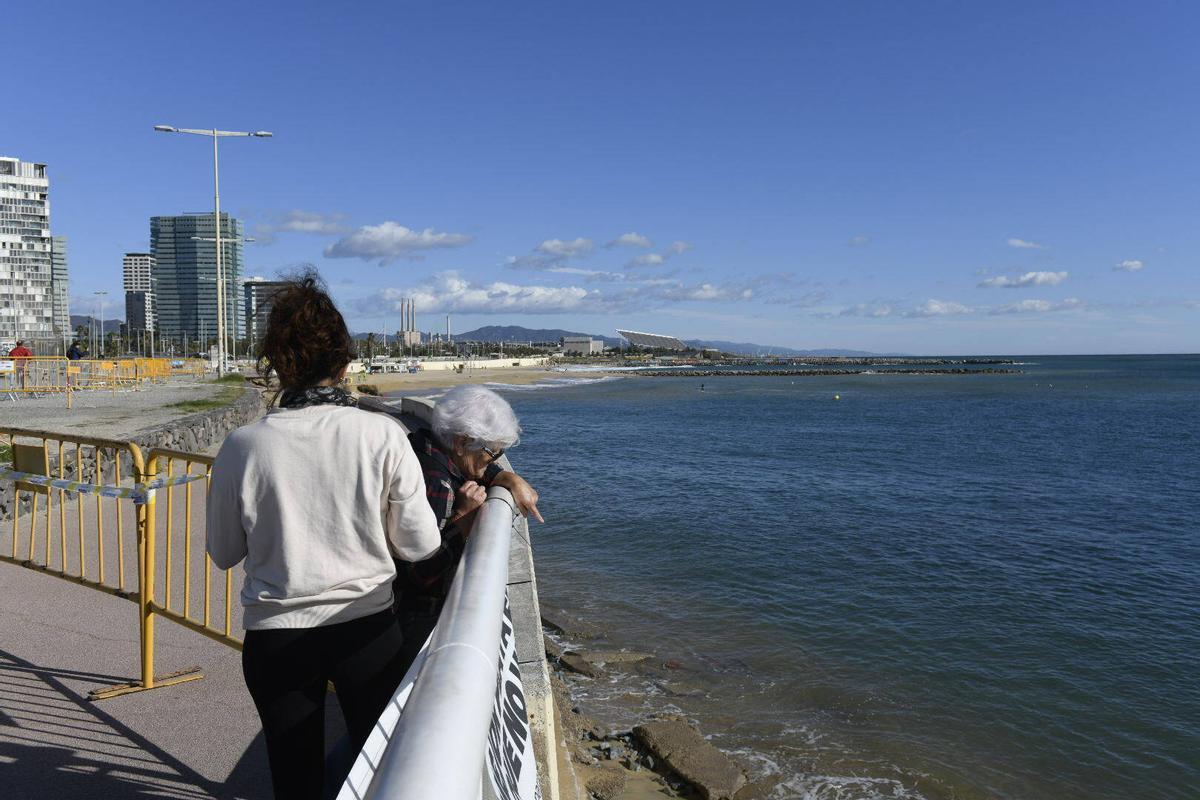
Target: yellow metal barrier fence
[197,367]
[190,596]
[56,375]
[84,509]
[92,546]
[37,375]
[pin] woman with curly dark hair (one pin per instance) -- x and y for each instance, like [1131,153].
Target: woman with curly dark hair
[318,497]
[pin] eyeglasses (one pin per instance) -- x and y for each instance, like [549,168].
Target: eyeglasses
[494,454]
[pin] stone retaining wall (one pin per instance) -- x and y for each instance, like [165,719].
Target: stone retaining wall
[196,433]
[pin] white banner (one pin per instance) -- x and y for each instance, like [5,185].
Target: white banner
[510,764]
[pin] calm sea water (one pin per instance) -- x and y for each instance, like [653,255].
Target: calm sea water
[942,586]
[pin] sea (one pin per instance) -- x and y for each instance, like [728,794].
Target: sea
[891,586]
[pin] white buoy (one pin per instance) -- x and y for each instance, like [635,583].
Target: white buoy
[837,397]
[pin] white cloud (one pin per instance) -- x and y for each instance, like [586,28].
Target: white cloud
[859,241]
[1130,265]
[1038,306]
[658,259]
[1028,279]
[559,248]
[938,308]
[867,310]
[630,240]
[389,241]
[449,292]
[553,253]
[297,221]
[1024,244]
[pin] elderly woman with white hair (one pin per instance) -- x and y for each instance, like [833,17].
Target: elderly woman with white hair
[471,428]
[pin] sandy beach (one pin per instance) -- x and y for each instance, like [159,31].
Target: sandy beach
[444,379]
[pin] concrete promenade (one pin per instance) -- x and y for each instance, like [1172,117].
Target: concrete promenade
[201,739]
[60,640]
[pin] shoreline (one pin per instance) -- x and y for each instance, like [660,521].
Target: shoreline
[396,383]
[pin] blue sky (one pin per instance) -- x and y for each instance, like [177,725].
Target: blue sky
[923,177]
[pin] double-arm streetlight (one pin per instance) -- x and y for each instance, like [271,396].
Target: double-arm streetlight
[216,134]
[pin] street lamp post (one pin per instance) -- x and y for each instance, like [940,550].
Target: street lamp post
[100,301]
[224,321]
[216,134]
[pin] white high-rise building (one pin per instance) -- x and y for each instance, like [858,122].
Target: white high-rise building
[27,269]
[138,280]
[137,269]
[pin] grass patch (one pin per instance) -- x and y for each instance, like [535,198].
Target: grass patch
[227,396]
[233,378]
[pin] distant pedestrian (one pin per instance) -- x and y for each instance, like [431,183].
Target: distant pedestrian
[317,497]
[20,355]
[75,352]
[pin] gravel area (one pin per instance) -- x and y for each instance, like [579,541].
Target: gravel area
[106,414]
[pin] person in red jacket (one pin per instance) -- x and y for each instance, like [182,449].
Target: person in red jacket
[22,366]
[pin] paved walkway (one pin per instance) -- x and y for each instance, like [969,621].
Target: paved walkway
[60,640]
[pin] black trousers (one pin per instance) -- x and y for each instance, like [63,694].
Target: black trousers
[286,672]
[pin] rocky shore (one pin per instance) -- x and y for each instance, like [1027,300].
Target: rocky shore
[809,373]
[660,754]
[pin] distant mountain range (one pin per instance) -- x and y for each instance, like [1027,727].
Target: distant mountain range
[110,325]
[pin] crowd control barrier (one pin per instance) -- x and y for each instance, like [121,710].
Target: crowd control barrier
[33,376]
[40,375]
[73,484]
[182,566]
[80,510]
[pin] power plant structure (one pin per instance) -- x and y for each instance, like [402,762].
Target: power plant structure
[409,335]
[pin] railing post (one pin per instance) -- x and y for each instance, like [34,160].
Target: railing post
[146,557]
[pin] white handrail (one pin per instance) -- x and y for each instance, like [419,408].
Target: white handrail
[438,747]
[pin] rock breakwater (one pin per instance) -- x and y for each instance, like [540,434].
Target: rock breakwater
[812,373]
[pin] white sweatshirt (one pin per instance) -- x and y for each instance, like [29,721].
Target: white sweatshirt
[311,498]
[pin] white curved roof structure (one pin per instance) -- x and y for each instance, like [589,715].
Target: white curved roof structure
[652,340]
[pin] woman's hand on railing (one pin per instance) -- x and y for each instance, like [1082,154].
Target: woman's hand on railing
[524,495]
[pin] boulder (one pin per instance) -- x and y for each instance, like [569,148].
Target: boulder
[615,656]
[577,663]
[692,757]
[605,782]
